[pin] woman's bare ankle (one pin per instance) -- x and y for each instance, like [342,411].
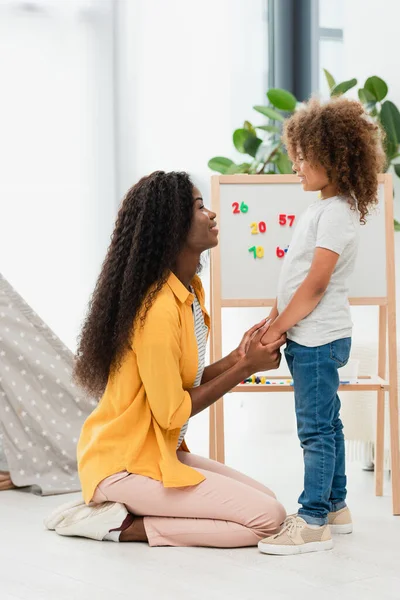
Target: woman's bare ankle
[136,532]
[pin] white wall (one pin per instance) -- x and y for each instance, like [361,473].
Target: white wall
[189,74]
[184,76]
[57,185]
[370,47]
[371,41]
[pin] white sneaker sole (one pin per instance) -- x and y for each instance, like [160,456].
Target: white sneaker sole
[59,513]
[342,529]
[93,523]
[301,549]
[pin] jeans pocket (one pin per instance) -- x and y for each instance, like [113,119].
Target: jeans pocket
[340,351]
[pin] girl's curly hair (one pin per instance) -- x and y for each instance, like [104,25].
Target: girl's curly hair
[340,136]
[151,228]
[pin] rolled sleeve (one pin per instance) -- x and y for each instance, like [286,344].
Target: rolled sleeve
[158,351]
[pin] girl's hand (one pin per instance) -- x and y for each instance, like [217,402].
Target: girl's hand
[263,357]
[271,335]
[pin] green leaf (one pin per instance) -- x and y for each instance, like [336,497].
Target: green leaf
[342,88]
[367,98]
[269,112]
[397,170]
[377,87]
[270,128]
[242,168]
[373,112]
[283,163]
[396,225]
[252,144]
[220,164]
[239,138]
[282,99]
[390,119]
[249,127]
[330,80]
[268,149]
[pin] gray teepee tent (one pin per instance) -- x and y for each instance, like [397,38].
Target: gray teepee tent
[41,409]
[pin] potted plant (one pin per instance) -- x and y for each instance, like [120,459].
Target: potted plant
[262,146]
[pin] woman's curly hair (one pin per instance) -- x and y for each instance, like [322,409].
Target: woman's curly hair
[340,136]
[151,228]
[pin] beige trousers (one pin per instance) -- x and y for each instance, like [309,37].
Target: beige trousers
[226,510]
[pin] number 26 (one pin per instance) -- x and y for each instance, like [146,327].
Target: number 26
[243,208]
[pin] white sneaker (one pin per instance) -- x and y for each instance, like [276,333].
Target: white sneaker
[59,513]
[297,537]
[94,521]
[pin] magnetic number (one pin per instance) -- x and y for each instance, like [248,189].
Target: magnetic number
[258,227]
[258,251]
[284,218]
[281,253]
[236,210]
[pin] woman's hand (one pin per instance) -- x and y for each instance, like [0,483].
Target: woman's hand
[241,350]
[261,356]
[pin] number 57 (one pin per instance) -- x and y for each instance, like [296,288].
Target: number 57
[284,218]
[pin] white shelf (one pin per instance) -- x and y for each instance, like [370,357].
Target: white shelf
[281,384]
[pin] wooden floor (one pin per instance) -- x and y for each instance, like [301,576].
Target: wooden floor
[39,565]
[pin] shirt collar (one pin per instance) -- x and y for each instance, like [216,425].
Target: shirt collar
[180,291]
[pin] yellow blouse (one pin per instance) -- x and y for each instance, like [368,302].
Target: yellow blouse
[137,423]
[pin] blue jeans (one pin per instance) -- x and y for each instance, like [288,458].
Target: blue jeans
[320,430]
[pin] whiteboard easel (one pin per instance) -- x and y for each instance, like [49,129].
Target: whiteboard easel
[241,278]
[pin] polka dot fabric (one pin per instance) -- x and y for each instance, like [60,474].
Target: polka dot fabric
[41,409]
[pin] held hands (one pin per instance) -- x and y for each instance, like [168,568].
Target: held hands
[241,350]
[264,355]
[271,335]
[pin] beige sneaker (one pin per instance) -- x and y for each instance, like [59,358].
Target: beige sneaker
[340,521]
[297,537]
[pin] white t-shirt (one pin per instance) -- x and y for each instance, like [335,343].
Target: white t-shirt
[331,224]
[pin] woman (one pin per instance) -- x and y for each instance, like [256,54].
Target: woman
[137,475]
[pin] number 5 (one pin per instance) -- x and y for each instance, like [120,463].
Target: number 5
[282,219]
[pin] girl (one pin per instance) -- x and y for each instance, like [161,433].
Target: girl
[143,347]
[336,150]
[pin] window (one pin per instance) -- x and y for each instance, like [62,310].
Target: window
[330,42]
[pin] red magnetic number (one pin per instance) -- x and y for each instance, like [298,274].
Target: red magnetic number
[260,227]
[279,252]
[236,210]
[283,220]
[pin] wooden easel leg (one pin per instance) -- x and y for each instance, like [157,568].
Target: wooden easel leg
[220,429]
[212,440]
[379,443]
[217,435]
[394,411]
[380,407]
